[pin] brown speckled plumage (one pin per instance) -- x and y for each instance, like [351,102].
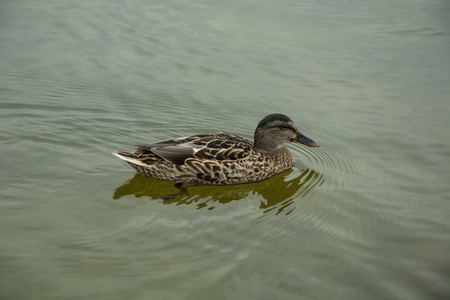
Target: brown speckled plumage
[220,158]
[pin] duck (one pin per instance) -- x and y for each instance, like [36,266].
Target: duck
[220,158]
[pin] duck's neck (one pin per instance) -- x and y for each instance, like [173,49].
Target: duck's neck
[265,145]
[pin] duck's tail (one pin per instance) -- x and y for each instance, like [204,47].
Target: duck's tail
[130,158]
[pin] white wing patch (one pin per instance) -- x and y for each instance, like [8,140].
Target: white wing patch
[189,145]
[181,138]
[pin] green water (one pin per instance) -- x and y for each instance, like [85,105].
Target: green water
[365,216]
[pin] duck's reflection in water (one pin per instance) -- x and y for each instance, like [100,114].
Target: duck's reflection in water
[281,189]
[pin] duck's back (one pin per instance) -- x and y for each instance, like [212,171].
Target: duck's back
[215,159]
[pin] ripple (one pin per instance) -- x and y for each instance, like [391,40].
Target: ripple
[347,154]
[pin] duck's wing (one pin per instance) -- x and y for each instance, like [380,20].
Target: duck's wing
[213,146]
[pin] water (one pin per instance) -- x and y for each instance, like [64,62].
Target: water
[365,216]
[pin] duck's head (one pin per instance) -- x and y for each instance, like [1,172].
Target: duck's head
[277,129]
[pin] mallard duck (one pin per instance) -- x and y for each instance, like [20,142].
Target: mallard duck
[220,158]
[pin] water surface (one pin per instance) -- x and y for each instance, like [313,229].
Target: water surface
[365,216]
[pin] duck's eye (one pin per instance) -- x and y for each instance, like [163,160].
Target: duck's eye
[285,127]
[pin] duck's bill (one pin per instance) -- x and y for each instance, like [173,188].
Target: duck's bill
[301,139]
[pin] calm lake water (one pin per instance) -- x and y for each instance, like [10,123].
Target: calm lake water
[365,216]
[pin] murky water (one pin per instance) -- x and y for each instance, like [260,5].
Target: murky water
[365,216]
